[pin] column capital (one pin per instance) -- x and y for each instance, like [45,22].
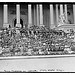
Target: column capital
[5,5]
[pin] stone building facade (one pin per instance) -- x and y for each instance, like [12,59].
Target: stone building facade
[28,14]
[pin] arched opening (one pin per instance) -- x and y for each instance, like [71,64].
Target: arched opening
[21,22]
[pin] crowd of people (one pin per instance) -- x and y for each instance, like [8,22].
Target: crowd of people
[36,40]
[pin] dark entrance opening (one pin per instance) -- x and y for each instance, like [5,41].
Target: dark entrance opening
[21,22]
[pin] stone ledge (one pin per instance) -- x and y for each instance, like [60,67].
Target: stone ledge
[36,57]
[6,25]
[66,26]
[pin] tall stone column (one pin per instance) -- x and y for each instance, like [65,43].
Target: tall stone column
[34,15]
[57,15]
[61,15]
[5,16]
[61,9]
[41,14]
[18,16]
[51,16]
[74,12]
[37,7]
[29,15]
[66,12]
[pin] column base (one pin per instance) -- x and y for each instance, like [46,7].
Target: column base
[18,25]
[29,25]
[6,25]
[42,25]
[52,26]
